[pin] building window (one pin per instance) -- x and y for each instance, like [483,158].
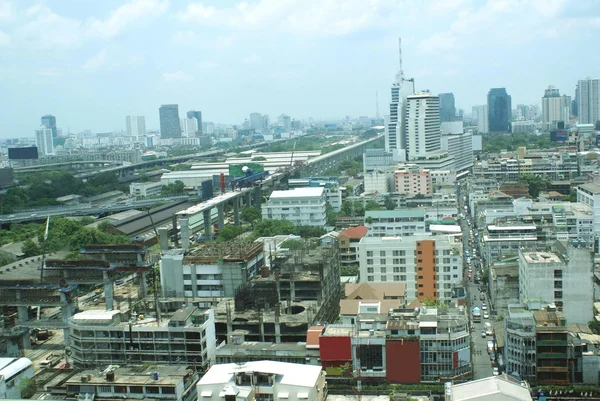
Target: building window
[370,270]
[105,389]
[369,253]
[136,389]
[382,254]
[383,270]
[187,276]
[382,261]
[370,278]
[558,294]
[558,284]
[383,278]
[121,389]
[396,278]
[167,390]
[369,261]
[557,273]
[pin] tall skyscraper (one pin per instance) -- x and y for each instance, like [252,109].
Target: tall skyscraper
[395,132]
[256,121]
[482,119]
[189,127]
[575,103]
[555,107]
[422,124]
[523,111]
[43,141]
[136,126]
[588,100]
[49,121]
[499,110]
[198,116]
[447,107]
[169,121]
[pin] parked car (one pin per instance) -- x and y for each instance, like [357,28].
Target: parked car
[483,335]
[495,371]
[483,306]
[486,315]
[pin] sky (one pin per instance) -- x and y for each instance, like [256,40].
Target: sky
[92,62]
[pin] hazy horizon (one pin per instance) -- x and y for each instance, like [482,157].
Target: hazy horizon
[90,63]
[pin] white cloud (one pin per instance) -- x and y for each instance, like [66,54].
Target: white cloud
[177,76]
[208,64]
[436,43]
[6,11]
[304,17]
[95,62]
[49,73]
[49,29]
[184,38]
[135,11]
[4,39]
[251,59]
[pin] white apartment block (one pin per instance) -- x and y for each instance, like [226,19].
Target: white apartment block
[589,194]
[562,277]
[136,127]
[43,141]
[411,180]
[391,223]
[145,188]
[422,123]
[263,381]
[112,337]
[441,178]
[301,206]
[507,239]
[429,266]
[377,181]
[460,148]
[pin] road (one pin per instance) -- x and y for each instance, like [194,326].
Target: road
[482,366]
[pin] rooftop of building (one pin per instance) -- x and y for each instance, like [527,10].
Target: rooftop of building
[395,214]
[541,257]
[265,347]
[289,374]
[306,192]
[119,318]
[375,291]
[354,307]
[592,188]
[495,388]
[213,252]
[297,314]
[451,239]
[354,232]
[142,375]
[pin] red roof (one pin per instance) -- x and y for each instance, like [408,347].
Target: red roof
[312,337]
[355,232]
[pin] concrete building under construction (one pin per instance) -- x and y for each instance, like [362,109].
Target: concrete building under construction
[279,305]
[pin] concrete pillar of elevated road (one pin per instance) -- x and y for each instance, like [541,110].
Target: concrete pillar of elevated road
[207,225]
[236,211]
[221,215]
[248,199]
[140,278]
[108,291]
[67,313]
[23,318]
[257,194]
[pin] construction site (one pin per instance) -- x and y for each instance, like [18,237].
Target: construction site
[40,296]
[301,289]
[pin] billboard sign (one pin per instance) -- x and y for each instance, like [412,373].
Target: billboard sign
[26,153]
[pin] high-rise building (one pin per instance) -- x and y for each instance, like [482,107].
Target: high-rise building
[43,140]
[523,112]
[482,118]
[422,124]
[198,116]
[189,126]
[588,100]
[575,103]
[256,121]
[49,121]
[136,126]
[555,107]
[447,107]
[499,110]
[169,121]
[395,141]
[285,121]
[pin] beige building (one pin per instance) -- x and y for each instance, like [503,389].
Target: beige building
[348,241]
[411,180]
[371,298]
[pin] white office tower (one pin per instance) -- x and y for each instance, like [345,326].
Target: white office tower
[555,107]
[482,119]
[189,126]
[588,100]
[136,126]
[43,141]
[394,130]
[422,124]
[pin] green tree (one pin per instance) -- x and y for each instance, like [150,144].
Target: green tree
[372,205]
[293,244]
[28,387]
[594,325]
[270,228]
[390,204]
[30,248]
[259,159]
[331,215]
[251,215]
[173,189]
[536,184]
[229,232]
[309,231]
[349,270]
[352,209]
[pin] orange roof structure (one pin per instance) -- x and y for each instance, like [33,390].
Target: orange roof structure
[312,336]
[354,232]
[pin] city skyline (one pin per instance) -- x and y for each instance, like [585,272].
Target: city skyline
[124,57]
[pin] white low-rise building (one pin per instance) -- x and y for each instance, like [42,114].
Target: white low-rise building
[430,266]
[378,181]
[145,188]
[301,206]
[12,372]
[263,381]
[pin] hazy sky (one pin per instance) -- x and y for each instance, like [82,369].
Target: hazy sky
[92,62]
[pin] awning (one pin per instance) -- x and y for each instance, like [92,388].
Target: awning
[283,395]
[206,393]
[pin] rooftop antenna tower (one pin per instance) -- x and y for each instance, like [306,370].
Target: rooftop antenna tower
[400,74]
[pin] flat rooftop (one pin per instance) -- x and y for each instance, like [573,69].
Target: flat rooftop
[308,192]
[143,375]
[227,251]
[541,257]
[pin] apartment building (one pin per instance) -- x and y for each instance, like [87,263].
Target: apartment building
[504,283]
[561,277]
[177,383]
[331,185]
[401,345]
[519,342]
[113,337]
[506,238]
[263,381]
[301,206]
[348,242]
[378,181]
[370,298]
[398,222]
[442,179]
[412,180]
[589,194]
[429,266]
[211,270]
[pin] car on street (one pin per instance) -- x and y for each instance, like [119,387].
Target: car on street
[495,371]
[483,335]
[486,315]
[482,297]
[33,214]
[483,306]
